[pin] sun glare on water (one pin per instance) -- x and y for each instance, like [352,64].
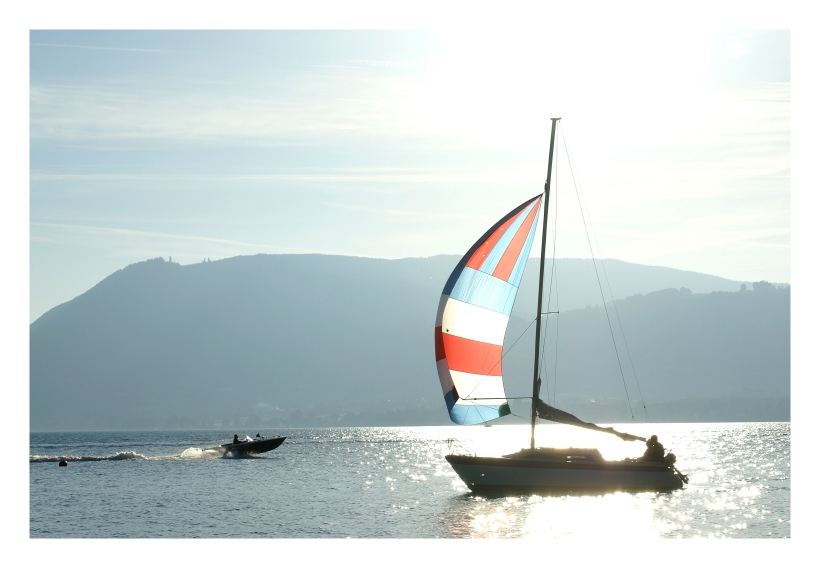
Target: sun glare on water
[617,515]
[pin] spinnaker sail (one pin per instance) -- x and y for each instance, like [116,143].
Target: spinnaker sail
[473,314]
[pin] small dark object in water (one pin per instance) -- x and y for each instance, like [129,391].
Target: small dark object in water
[63,463]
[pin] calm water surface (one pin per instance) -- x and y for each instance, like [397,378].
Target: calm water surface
[395,483]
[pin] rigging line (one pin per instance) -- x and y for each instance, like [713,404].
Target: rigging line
[527,418]
[597,276]
[495,398]
[626,344]
[555,366]
[503,354]
[517,340]
[617,313]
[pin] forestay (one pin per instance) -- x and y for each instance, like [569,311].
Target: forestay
[473,314]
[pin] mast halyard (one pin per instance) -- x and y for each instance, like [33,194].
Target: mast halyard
[535,380]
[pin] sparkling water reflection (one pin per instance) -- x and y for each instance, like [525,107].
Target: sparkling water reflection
[395,483]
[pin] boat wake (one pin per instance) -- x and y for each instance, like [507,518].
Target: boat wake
[116,457]
[189,454]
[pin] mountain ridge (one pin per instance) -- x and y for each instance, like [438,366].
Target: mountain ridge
[333,338]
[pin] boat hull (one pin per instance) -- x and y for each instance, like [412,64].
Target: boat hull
[503,473]
[255,446]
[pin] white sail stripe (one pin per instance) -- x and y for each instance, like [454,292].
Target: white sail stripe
[440,311]
[473,322]
[489,390]
[444,376]
[482,402]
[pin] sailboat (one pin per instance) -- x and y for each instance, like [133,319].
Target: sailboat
[471,323]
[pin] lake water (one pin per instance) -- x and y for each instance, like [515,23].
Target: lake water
[393,483]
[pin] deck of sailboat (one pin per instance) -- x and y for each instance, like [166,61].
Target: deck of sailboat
[559,469]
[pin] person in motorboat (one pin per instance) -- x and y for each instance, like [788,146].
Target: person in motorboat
[654,450]
[236,438]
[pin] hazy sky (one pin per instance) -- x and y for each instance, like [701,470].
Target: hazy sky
[126,146]
[393,144]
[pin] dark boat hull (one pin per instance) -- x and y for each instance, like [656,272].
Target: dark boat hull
[256,446]
[551,474]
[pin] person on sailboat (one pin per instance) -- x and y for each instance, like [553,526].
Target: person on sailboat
[654,450]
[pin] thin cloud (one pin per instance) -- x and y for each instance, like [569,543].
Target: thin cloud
[103,48]
[369,175]
[425,213]
[371,64]
[113,233]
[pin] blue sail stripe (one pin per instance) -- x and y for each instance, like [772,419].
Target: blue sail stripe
[484,290]
[468,414]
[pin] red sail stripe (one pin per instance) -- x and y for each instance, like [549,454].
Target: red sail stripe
[505,266]
[439,344]
[480,255]
[469,356]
